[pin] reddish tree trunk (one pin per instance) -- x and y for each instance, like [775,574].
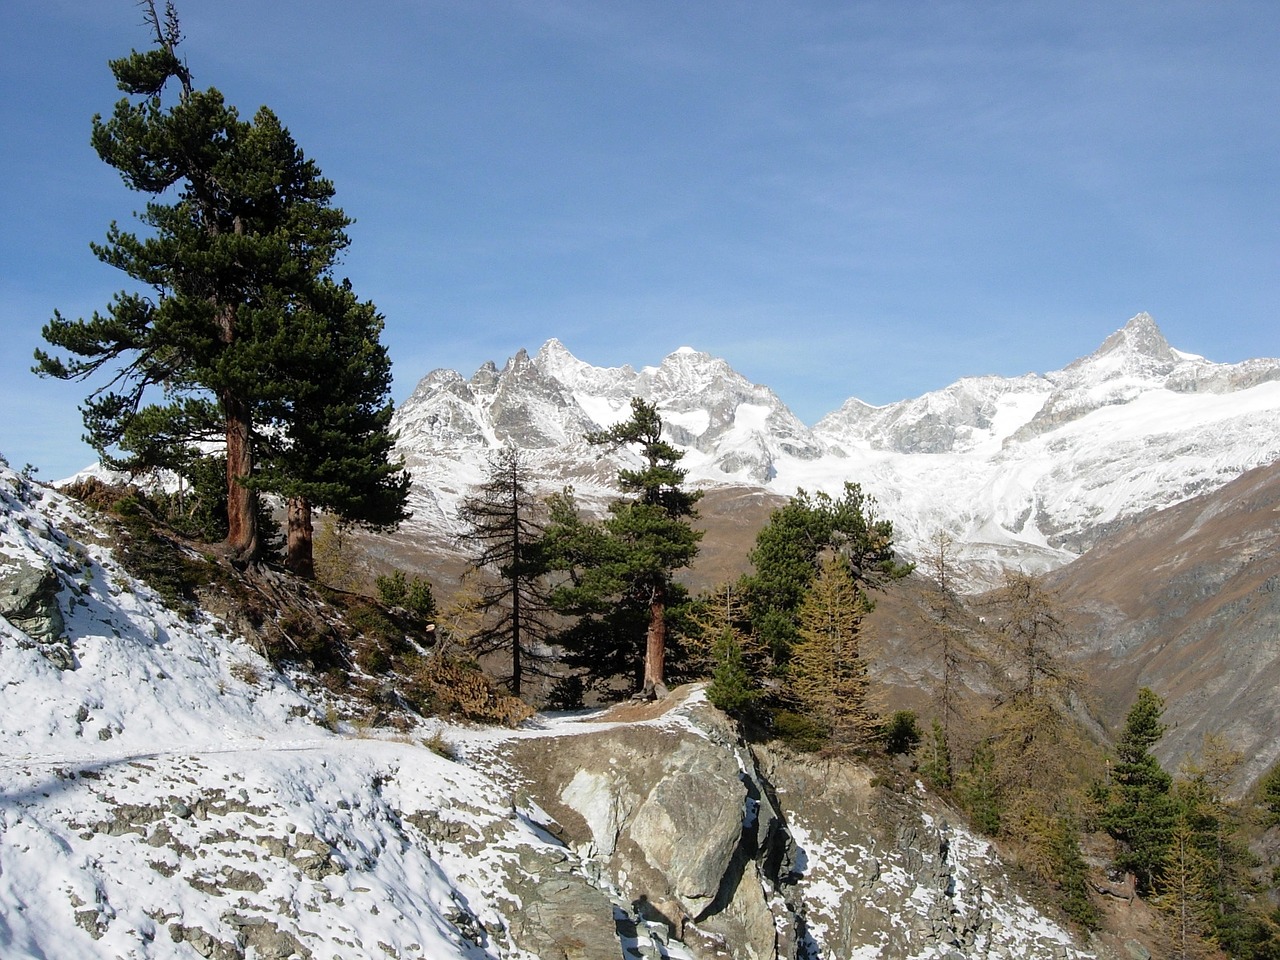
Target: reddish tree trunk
[242,520]
[655,653]
[299,556]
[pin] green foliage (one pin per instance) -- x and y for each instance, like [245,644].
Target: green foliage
[901,732]
[415,596]
[617,574]
[1268,797]
[1141,814]
[731,688]
[198,508]
[788,551]
[977,790]
[935,758]
[244,335]
[800,732]
[152,556]
[1071,874]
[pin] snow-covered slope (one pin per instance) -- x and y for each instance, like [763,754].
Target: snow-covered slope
[164,793]
[1026,471]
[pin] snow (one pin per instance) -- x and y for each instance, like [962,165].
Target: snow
[173,788]
[173,785]
[1020,471]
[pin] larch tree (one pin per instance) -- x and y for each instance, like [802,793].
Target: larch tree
[242,235]
[827,675]
[790,549]
[505,536]
[945,637]
[1041,761]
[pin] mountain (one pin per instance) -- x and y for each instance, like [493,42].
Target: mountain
[1187,602]
[1026,471]
[167,792]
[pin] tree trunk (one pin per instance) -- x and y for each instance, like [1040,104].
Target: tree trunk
[655,652]
[242,519]
[298,554]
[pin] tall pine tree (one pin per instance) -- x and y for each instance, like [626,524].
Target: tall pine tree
[242,236]
[651,525]
[1141,813]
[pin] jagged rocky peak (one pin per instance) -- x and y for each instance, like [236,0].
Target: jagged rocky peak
[1138,346]
[556,362]
[961,417]
[484,379]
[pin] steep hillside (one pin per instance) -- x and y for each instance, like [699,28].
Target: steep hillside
[1187,601]
[1027,471]
[169,793]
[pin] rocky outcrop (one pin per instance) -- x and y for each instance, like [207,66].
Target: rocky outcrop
[771,857]
[29,601]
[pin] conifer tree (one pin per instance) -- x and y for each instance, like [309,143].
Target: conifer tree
[506,538]
[731,688]
[1214,822]
[334,446]
[827,674]
[650,528]
[1185,895]
[242,237]
[1141,813]
[789,551]
[607,626]
[1040,761]
[944,636]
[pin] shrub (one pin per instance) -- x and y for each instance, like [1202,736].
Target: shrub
[799,731]
[901,733]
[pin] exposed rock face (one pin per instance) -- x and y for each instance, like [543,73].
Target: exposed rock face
[774,858]
[1188,602]
[29,601]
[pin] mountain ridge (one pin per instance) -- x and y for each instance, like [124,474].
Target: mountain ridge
[1023,471]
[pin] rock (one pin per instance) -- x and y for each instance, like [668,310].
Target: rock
[29,600]
[678,819]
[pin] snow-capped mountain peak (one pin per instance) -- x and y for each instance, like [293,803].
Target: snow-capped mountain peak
[1026,470]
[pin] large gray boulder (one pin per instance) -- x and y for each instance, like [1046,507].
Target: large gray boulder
[29,601]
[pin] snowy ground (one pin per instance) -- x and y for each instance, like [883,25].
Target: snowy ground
[171,795]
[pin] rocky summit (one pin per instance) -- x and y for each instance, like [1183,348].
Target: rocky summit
[1026,472]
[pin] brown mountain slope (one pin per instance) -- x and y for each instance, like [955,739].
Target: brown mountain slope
[1187,602]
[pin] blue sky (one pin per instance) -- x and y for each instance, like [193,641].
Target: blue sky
[840,198]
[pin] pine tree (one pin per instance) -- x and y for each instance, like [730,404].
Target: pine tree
[334,447]
[1141,813]
[731,688]
[506,536]
[827,674]
[650,528]
[607,617]
[789,550]
[243,236]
